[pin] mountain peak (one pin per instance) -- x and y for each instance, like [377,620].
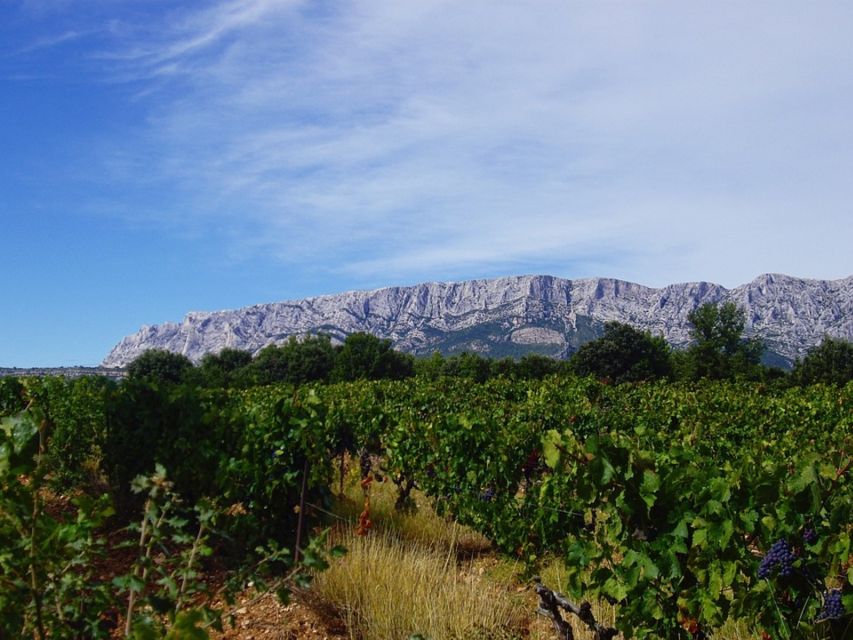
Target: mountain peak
[512,315]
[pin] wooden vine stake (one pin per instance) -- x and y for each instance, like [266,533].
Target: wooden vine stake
[364,523]
[301,510]
[550,603]
[343,471]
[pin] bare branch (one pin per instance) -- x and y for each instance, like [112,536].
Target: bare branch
[550,603]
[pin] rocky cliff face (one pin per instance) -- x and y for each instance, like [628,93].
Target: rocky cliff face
[512,316]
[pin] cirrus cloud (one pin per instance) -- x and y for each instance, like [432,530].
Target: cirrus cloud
[383,141]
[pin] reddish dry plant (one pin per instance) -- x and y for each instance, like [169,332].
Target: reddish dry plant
[364,523]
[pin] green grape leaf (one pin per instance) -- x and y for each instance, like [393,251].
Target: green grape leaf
[551,442]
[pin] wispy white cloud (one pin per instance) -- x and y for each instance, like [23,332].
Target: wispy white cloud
[49,42]
[165,46]
[388,141]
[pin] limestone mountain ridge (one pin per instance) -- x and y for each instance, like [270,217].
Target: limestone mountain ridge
[514,315]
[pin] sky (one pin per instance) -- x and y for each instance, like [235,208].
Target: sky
[159,157]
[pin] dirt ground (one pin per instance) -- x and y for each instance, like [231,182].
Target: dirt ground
[265,618]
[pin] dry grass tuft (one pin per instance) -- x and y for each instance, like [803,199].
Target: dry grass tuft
[386,588]
[420,524]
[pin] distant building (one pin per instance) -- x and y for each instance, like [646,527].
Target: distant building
[67,372]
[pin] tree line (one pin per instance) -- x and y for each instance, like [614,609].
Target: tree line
[719,350]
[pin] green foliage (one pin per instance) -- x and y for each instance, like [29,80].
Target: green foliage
[430,368]
[74,413]
[282,435]
[687,486]
[534,366]
[180,426]
[365,357]
[159,366]
[477,368]
[47,582]
[463,365]
[623,354]
[663,498]
[831,362]
[11,396]
[164,588]
[160,587]
[248,448]
[228,368]
[76,410]
[296,362]
[719,350]
[468,365]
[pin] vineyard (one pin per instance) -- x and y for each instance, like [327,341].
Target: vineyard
[683,506]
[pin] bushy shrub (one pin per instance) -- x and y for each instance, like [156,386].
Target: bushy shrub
[171,425]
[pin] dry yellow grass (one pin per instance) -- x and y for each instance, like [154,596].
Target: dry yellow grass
[421,524]
[386,588]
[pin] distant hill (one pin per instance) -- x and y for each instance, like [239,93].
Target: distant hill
[514,315]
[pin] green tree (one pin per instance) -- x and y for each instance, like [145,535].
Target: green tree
[297,361]
[159,366]
[719,349]
[831,362]
[270,365]
[623,354]
[468,365]
[534,366]
[311,359]
[364,356]
[431,368]
[503,368]
[224,369]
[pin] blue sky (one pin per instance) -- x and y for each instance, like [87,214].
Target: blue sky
[158,157]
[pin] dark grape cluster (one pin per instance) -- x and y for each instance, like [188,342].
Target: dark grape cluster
[779,556]
[365,463]
[809,536]
[530,463]
[487,495]
[832,607]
